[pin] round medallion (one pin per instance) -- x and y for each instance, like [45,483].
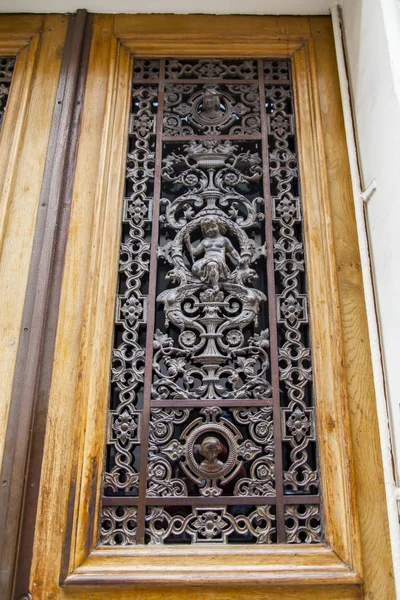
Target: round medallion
[214,465]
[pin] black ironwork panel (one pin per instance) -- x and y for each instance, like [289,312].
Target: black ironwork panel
[303,523]
[128,359]
[211,428]
[210,69]
[211,452]
[219,524]
[212,240]
[7,64]
[297,419]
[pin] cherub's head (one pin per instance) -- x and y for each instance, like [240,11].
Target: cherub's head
[212,227]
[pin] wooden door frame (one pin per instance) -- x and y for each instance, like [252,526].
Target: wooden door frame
[37,41]
[356,559]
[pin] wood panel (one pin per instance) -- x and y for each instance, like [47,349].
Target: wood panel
[209,36]
[256,592]
[209,566]
[365,440]
[327,347]
[16,31]
[62,471]
[66,529]
[23,147]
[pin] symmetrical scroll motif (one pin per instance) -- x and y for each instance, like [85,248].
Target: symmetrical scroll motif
[211,456]
[261,473]
[218,353]
[210,69]
[131,305]
[213,524]
[7,64]
[211,109]
[275,70]
[297,419]
[303,524]
[146,69]
[118,525]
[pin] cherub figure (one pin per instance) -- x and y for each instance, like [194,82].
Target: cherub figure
[212,268]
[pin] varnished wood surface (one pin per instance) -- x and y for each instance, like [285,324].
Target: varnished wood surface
[66,529]
[255,592]
[327,348]
[23,147]
[16,31]
[78,465]
[240,564]
[362,413]
[209,36]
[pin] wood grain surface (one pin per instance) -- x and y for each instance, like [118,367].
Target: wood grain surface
[353,492]
[23,147]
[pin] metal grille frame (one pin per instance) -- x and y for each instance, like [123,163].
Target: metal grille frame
[293,432]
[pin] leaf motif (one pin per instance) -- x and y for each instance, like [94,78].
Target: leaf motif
[248,450]
[161,339]
[175,366]
[174,450]
[247,364]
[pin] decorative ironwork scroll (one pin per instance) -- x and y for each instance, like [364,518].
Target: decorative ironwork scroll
[210,69]
[297,419]
[211,109]
[211,427]
[211,456]
[217,524]
[7,64]
[128,358]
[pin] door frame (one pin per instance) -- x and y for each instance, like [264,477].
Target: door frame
[37,41]
[355,560]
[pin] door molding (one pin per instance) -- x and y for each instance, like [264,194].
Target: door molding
[56,120]
[356,560]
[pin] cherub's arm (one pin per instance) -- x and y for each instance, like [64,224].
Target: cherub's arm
[192,250]
[197,250]
[231,250]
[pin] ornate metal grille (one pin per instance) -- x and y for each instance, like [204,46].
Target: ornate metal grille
[211,430]
[7,64]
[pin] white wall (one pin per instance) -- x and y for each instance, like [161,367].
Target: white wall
[371,36]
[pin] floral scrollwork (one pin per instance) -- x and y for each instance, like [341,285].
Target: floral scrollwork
[212,524]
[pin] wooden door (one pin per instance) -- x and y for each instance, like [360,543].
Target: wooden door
[353,560]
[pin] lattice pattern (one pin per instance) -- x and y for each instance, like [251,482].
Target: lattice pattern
[302,524]
[297,419]
[131,306]
[211,524]
[207,443]
[242,466]
[7,64]
[276,70]
[118,525]
[210,69]
[146,69]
